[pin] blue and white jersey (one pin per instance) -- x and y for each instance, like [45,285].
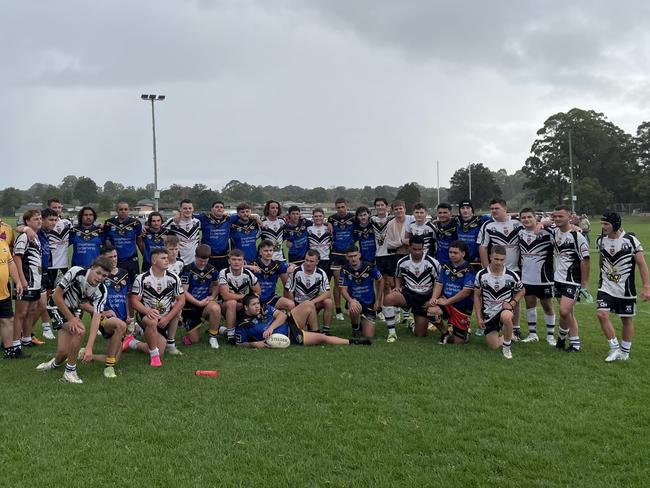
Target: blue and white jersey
[468,231]
[86,243]
[454,279]
[215,232]
[445,235]
[365,237]
[123,236]
[244,237]
[151,240]
[251,329]
[298,236]
[46,255]
[342,232]
[117,286]
[268,276]
[199,281]
[360,282]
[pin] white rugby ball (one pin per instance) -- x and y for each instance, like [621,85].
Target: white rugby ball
[278,341]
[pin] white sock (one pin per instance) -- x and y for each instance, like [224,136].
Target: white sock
[154,352]
[613,343]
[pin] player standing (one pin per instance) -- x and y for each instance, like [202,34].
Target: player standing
[7,269]
[468,227]
[341,225]
[122,232]
[296,236]
[272,228]
[319,238]
[86,238]
[152,237]
[215,232]
[244,231]
[187,228]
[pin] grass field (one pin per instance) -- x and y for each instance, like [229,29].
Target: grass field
[413,413]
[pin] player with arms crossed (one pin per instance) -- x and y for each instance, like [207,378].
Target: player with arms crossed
[620,253]
[83,289]
[497,290]
[362,287]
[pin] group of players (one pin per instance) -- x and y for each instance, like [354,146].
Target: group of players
[200,267]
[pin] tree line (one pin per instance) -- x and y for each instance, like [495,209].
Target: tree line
[609,166]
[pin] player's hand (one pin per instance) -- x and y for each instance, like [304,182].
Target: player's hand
[267,333]
[152,314]
[88,355]
[76,326]
[259,344]
[24,284]
[377,306]
[163,321]
[129,320]
[291,268]
[19,289]
[107,314]
[645,293]
[254,268]
[481,323]
[442,301]
[205,302]
[31,235]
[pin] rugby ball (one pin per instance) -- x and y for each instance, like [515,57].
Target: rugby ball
[278,341]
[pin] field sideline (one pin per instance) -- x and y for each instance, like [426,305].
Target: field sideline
[413,413]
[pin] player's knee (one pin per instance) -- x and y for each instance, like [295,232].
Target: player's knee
[602,314]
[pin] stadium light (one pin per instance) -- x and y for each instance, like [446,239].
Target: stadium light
[154,98]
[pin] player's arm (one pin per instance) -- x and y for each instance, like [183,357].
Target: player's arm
[477,308]
[226,294]
[95,320]
[253,345]
[256,288]
[323,296]
[174,312]
[279,318]
[214,291]
[584,271]
[437,291]
[399,282]
[643,271]
[136,304]
[15,276]
[483,254]
[18,258]
[74,322]
[379,293]
[139,241]
[353,303]
[26,230]
[189,298]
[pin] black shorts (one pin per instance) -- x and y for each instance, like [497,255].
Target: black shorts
[6,308]
[368,312]
[105,334]
[30,296]
[130,265]
[337,260]
[493,325]
[219,262]
[53,275]
[296,260]
[192,316]
[567,290]
[623,307]
[296,334]
[163,332]
[540,291]
[324,264]
[56,317]
[271,301]
[416,302]
[458,318]
[386,264]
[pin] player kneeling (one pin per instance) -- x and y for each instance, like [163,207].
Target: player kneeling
[452,295]
[79,288]
[497,290]
[260,322]
[201,284]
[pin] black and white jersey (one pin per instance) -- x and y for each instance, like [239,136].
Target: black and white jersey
[496,290]
[30,253]
[77,290]
[427,231]
[177,266]
[505,234]
[58,238]
[158,292]
[379,227]
[418,276]
[320,239]
[187,232]
[273,230]
[536,251]
[571,248]
[306,286]
[617,264]
[240,284]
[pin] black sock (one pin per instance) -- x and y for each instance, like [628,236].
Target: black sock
[338,310]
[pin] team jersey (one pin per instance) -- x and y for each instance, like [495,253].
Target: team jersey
[46,254]
[86,243]
[251,329]
[418,276]
[240,284]
[496,290]
[379,225]
[199,281]
[454,279]
[158,292]
[117,286]
[123,236]
[268,276]
[571,248]
[30,252]
[365,237]
[298,237]
[306,286]
[215,232]
[58,239]
[617,263]
[536,252]
[468,231]
[77,290]
[505,234]
[244,237]
[445,235]
[187,231]
[176,267]
[427,232]
[273,230]
[320,239]
[152,239]
[6,233]
[360,282]
[342,232]
[5,261]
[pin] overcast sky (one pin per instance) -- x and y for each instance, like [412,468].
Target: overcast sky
[311,93]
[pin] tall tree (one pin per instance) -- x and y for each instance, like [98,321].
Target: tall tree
[484,185]
[410,193]
[85,190]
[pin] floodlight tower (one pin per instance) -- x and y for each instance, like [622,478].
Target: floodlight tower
[152,99]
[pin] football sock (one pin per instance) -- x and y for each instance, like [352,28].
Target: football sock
[154,352]
[563,333]
[626,346]
[70,368]
[356,328]
[338,310]
[133,344]
[53,365]
[110,361]
[326,329]
[171,342]
[223,330]
[550,324]
[389,315]
[613,343]
[46,326]
[16,345]
[507,344]
[575,342]
[531,317]
[516,331]
[213,333]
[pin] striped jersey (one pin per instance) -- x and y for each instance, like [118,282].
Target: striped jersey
[158,292]
[32,265]
[320,239]
[427,231]
[379,225]
[241,283]
[306,286]
[188,233]
[617,263]
[571,248]
[496,290]
[505,234]
[273,230]
[536,251]
[58,239]
[418,276]
[77,290]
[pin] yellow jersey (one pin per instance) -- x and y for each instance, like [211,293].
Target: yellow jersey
[5,259]
[6,233]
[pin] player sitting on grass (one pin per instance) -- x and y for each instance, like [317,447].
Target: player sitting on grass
[114,317]
[362,288]
[259,323]
[157,296]
[200,282]
[452,295]
[268,270]
[79,288]
[497,291]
